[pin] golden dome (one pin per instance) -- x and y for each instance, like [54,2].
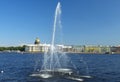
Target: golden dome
[37,41]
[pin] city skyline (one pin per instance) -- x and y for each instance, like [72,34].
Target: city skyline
[84,22]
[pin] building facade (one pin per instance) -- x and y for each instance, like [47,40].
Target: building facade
[38,47]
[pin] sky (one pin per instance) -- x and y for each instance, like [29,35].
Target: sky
[84,22]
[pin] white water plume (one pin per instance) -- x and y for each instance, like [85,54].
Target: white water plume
[56,62]
[57,20]
[52,60]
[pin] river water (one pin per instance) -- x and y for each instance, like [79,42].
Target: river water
[16,67]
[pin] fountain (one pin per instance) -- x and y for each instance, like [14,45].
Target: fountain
[56,63]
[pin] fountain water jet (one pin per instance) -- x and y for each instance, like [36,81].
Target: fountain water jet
[52,61]
[57,64]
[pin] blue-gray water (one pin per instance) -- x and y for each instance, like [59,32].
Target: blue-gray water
[17,67]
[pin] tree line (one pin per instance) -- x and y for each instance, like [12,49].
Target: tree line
[13,48]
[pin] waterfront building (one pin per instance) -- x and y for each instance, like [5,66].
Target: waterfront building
[105,49]
[78,49]
[92,49]
[67,49]
[97,49]
[38,47]
[115,49]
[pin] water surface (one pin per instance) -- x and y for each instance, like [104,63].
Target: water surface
[17,67]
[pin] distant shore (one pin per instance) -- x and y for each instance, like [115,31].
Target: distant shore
[84,53]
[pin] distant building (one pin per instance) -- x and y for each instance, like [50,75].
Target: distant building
[115,49]
[105,49]
[67,49]
[97,49]
[92,49]
[38,47]
[78,49]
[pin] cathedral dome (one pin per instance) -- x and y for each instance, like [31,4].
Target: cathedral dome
[37,41]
